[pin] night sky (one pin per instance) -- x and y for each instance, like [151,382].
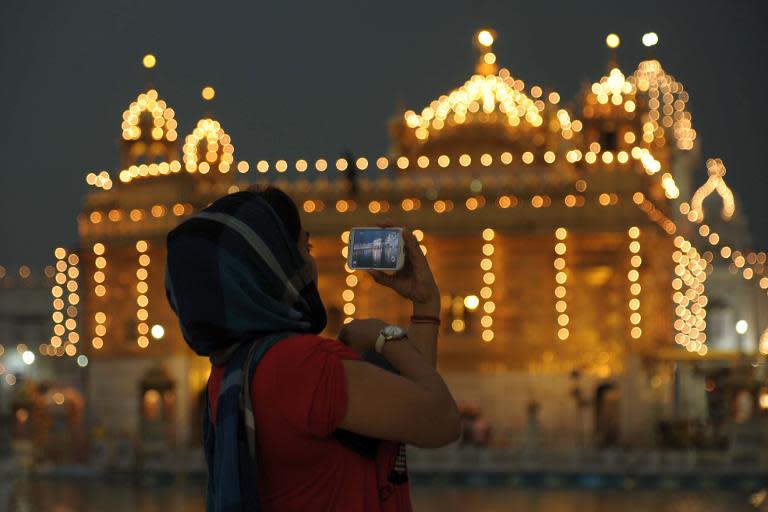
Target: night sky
[311,79]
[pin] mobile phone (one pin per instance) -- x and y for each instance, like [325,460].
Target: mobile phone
[376,248]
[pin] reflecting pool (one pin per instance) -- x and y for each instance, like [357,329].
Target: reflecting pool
[83,495]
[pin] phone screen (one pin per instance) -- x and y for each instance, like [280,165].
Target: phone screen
[377,248]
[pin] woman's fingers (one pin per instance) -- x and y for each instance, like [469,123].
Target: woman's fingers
[411,244]
[415,256]
[381,277]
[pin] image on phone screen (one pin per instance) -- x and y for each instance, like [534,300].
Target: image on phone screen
[374,248]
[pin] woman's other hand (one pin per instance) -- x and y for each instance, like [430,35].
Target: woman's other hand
[361,335]
[414,281]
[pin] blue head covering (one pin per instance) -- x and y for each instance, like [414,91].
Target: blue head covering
[234,276]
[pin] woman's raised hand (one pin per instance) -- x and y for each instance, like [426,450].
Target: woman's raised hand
[414,281]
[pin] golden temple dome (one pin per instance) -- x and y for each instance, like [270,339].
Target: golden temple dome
[666,104]
[208,147]
[149,118]
[613,96]
[666,99]
[612,92]
[480,95]
[491,104]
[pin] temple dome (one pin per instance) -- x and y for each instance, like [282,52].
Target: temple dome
[148,119]
[610,96]
[666,100]
[491,110]
[208,147]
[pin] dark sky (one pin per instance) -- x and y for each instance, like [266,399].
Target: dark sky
[309,79]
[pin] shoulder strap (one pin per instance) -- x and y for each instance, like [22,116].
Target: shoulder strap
[362,445]
[252,359]
[209,450]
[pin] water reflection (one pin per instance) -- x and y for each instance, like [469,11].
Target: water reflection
[93,496]
[374,248]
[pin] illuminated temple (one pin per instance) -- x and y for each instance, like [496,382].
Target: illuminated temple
[583,273]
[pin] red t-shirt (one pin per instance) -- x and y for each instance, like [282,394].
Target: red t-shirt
[299,398]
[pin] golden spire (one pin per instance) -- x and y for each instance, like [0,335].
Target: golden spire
[149,61]
[614,88]
[486,63]
[613,41]
[650,39]
[667,99]
[715,183]
[208,93]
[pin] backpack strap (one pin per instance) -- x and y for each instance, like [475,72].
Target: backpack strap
[209,450]
[364,446]
[255,354]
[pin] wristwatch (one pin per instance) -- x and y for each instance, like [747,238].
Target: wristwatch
[389,333]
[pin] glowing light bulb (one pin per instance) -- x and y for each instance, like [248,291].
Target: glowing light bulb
[208,93]
[485,38]
[650,39]
[612,40]
[742,327]
[149,61]
[157,331]
[471,302]
[28,357]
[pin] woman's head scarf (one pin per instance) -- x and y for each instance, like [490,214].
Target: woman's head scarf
[234,274]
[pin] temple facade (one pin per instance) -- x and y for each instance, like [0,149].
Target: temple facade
[590,291]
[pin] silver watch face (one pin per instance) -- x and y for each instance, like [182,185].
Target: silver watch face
[393,332]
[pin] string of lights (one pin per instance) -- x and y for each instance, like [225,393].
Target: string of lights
[378,206]
[348,295]
[595,155]
[715,183]
[633,276]
[666,102]
[142,299]
[489,278]
[688,294]
[163,124]
[737,260]
[697,276]
[561,280]
[100,290]
[65,333]
[208,146]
